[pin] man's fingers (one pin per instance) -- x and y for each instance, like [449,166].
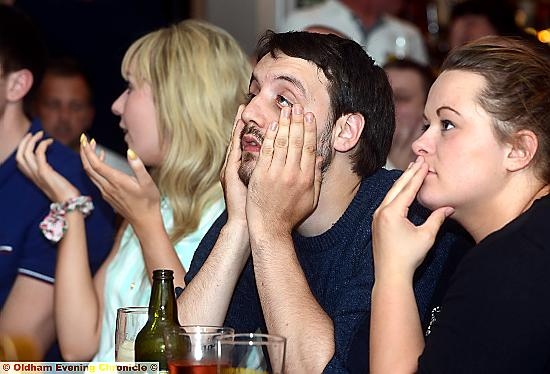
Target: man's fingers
[309,146]
[278,154]
[296,138]
[318,178]
[268,144]
[235,131]
[233,155]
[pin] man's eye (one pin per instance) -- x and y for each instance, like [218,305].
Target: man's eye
[282,101]
[447,125]
[52,105]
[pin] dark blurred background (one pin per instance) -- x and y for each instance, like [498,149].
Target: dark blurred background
[98,32]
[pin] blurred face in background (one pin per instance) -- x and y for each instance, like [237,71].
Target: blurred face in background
[469,27]
[409,98]
[64,106]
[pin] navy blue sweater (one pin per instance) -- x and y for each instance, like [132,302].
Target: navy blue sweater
[338,265]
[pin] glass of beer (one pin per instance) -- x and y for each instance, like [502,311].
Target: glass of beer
[129,321]
[251,353]
[192,349]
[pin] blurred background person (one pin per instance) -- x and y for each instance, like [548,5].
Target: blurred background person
[410,83]
[65,105]
[185,83]
[97,33]
[472,19]
[27,257]
[369,23]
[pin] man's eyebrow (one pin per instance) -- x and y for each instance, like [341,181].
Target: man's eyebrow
[295,82]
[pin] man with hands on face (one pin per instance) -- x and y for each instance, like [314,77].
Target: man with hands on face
[292,254]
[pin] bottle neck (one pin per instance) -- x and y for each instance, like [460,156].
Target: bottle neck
[162,306]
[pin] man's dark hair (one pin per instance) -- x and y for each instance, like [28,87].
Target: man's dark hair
[68,67]
[501,14]
[355,85]
[21,46]
[426,73]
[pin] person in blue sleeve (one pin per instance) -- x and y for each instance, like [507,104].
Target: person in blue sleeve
[292,253]
[27,257]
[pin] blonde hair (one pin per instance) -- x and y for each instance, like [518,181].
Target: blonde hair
[198,76]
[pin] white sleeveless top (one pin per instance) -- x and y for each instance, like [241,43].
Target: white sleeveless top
[126,280]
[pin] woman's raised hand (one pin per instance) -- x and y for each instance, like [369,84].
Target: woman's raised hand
[133,197]
[33,163]
[399,246]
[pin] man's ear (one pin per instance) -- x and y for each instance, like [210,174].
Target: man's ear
[348,130]
[18,84]
[521,150]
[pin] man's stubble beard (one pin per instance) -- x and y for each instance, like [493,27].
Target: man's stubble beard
[324,148]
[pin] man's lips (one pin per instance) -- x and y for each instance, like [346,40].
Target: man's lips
[250,143]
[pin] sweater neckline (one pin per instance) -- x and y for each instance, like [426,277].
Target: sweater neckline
[362,206]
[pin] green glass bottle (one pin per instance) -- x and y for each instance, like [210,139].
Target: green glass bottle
[163,315]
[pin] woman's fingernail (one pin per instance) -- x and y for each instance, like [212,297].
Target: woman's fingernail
[83,139]
[92,142]
[131,154]
[273,126]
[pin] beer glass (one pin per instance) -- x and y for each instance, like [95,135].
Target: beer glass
[192,349]
[251,353]
[129,321]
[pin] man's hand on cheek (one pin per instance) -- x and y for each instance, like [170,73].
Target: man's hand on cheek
[284,187]
[234,189]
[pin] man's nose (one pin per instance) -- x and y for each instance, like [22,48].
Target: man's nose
[65,112]
[256,112]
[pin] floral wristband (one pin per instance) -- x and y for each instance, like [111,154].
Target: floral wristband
[55,225]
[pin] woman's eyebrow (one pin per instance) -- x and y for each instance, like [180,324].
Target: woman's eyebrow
[448,108]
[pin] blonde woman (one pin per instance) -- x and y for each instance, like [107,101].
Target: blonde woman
[185,83]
